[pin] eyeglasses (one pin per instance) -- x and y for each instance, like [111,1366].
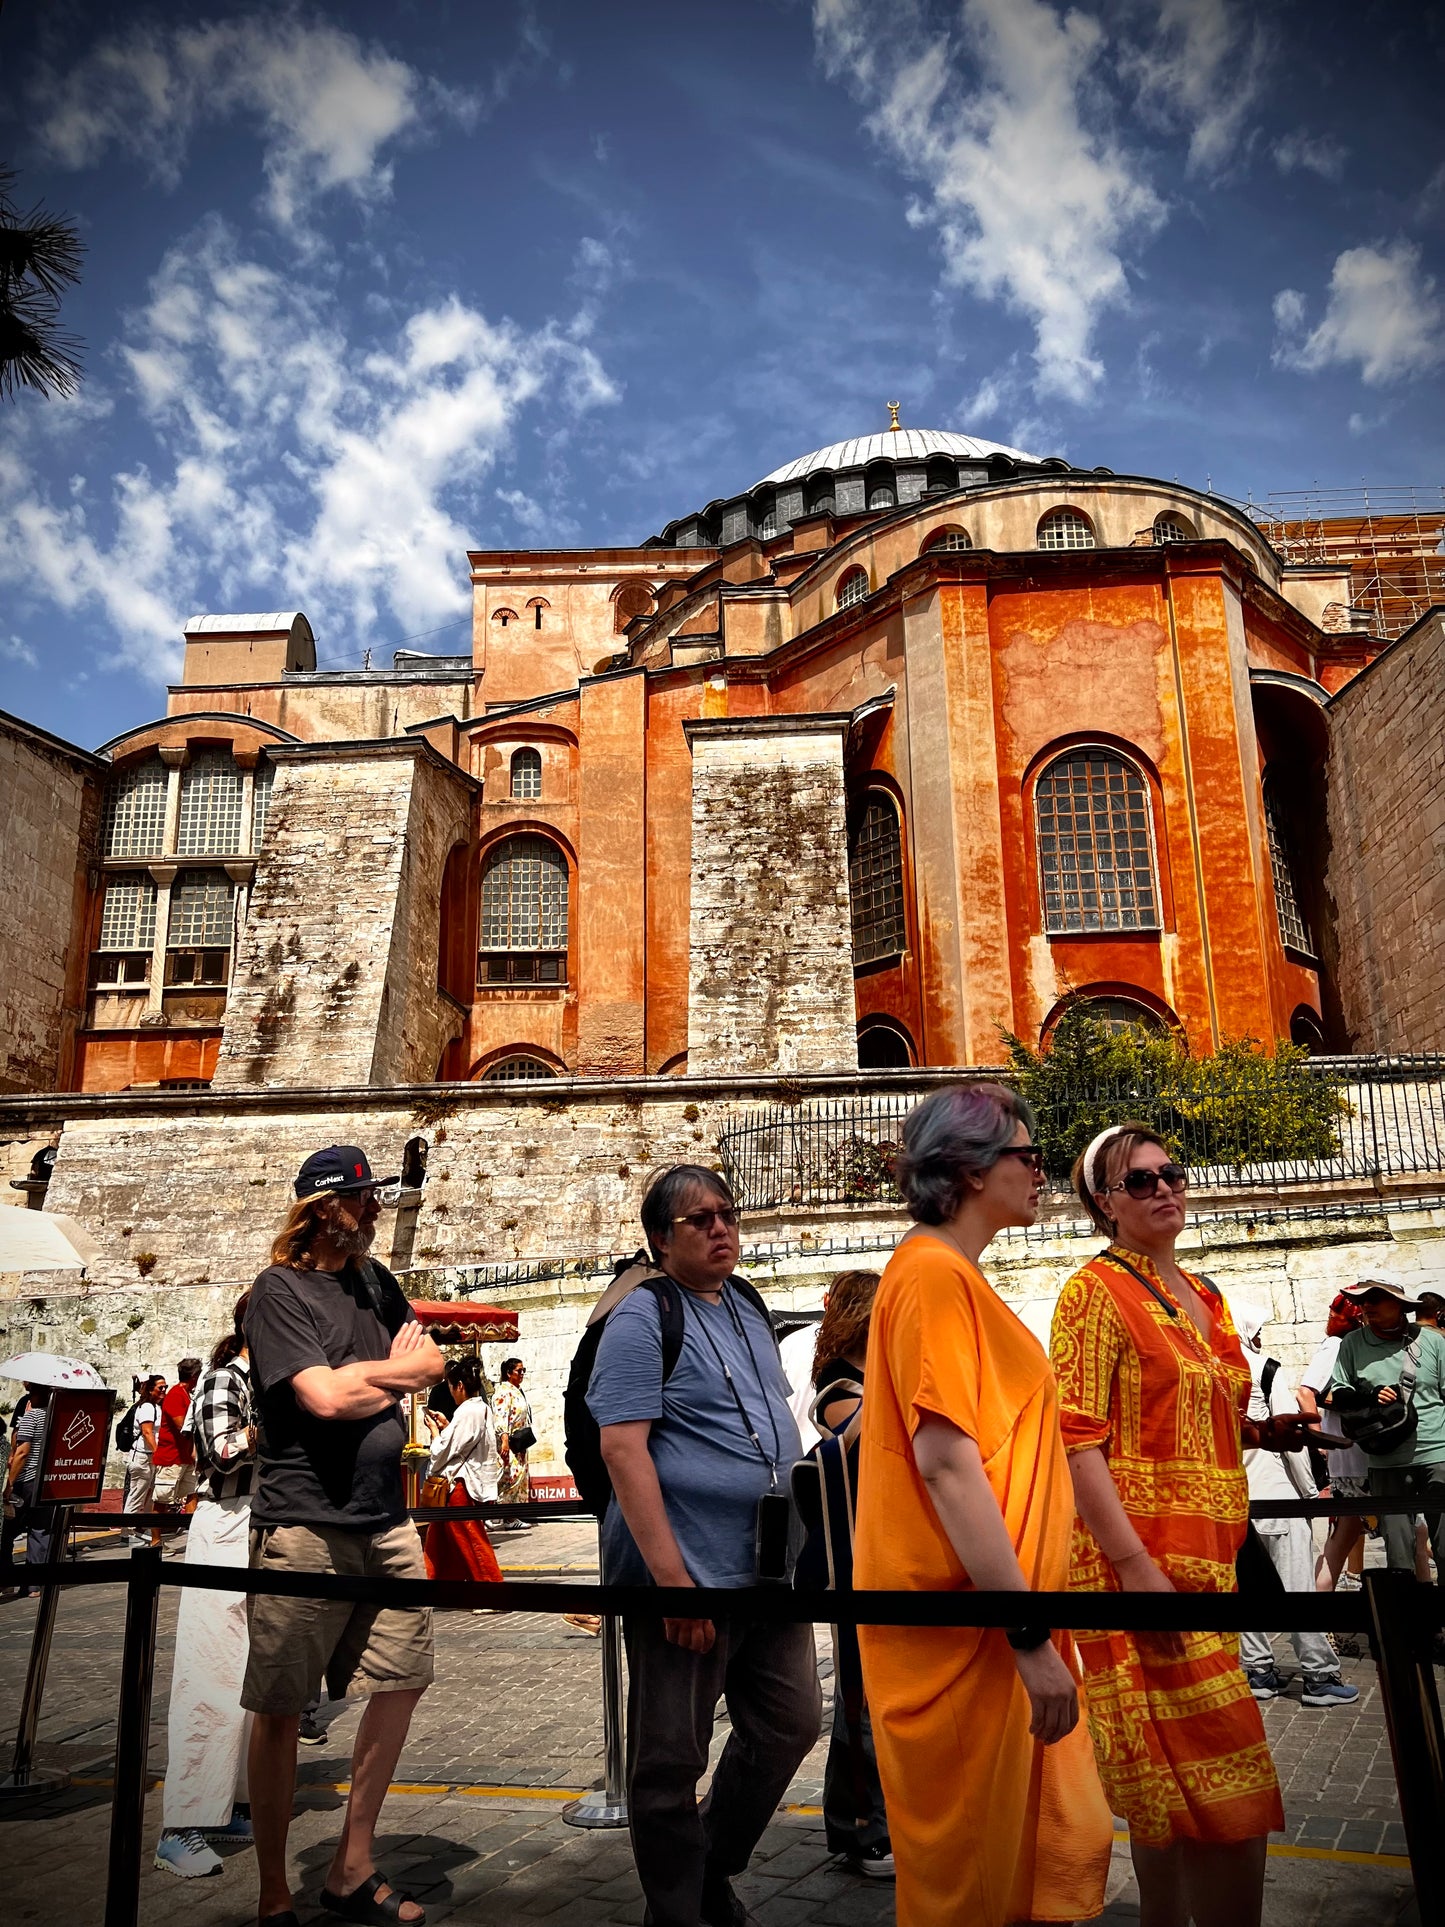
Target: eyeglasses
[1144,1184]
[1030,1153]
[702,1220]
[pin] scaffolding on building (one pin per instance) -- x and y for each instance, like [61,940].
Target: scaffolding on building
[1391,539]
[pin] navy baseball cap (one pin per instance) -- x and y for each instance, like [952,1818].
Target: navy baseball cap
[340,1167]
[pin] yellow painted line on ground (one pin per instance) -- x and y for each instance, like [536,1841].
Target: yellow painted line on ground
[1283,1850]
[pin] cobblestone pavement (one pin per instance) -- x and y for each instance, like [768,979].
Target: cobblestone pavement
[474,1829]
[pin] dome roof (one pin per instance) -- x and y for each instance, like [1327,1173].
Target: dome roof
[894,445]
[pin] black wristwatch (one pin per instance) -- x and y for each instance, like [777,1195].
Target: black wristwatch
[1028,1639]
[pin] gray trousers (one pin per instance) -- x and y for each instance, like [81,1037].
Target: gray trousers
[1293,1553]
[1427,1484]
[768,1678]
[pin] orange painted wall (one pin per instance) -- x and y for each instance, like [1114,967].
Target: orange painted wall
[110,1060]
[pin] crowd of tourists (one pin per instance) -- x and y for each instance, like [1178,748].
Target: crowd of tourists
[946,1449]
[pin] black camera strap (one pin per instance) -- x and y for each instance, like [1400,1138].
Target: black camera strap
[748,1426]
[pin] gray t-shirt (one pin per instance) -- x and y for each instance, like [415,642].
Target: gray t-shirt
[711,1473]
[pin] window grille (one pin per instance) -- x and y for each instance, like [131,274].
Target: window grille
[1096,861]
[201,909]
[128,914]
[768,524]
[261,802]
[1293,930]
[948,539]
[135,813]
[853,588]
[1066,529]
[880,497]
[526,775]
[1121,1014]
[875,884]
[210,807]
[524,896]
[516,1070]
[1174,528]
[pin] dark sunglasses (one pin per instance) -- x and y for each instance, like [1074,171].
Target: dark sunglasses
[702,1220]
[1030,1153]
[1144,1184]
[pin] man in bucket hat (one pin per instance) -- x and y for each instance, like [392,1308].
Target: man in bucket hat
[334,1347]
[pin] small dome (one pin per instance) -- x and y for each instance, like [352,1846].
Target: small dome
[893,445]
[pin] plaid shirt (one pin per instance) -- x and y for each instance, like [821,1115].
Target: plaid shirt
[221,1417]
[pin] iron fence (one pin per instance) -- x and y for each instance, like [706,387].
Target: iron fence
[1255,1126]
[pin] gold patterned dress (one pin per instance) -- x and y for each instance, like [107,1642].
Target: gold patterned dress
[1179,1739]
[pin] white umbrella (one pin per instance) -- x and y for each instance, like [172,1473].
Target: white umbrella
[44,1241]
[49,1368]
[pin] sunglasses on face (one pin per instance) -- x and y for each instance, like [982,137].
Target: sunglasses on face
[702,1220]
[1030,1153]
[1144,1184]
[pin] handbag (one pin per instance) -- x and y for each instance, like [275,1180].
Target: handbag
[522,1440]
[1377,1428]
[434,1491]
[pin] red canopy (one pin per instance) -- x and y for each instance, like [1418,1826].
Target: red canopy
[464,1319]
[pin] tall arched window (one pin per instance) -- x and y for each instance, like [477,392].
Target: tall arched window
[1293,930]
[524,913]
[951,537]
[526,775]
[135,810]
[883,1046]
[852,588]
[1066,529]
[210,822]
[875,882]
[1096,855]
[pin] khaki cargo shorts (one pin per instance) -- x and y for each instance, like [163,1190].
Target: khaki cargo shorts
[358,1650]
[175,1485]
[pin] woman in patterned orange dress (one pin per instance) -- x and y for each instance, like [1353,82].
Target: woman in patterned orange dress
[1153,1387]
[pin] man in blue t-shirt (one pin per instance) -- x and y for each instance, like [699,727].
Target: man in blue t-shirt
[689,1461]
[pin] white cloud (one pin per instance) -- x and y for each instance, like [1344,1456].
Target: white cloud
[1382,312]
[295,465]
[324,105]
[1032,197]
[14,648]
[1318,153]
[1202,68]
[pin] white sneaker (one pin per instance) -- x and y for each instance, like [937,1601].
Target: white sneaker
[188,1855]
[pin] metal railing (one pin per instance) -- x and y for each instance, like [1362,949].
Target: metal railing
[1330,1122]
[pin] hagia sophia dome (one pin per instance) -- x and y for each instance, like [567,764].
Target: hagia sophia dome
[895,445]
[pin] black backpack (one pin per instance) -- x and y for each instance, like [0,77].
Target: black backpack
[125,1431]
[581,1432]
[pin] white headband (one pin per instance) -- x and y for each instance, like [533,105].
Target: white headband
[1091,1157]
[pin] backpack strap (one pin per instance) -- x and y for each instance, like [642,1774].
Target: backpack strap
[840,1388]
[749,1292]
[1267,1377]
[1411,1371]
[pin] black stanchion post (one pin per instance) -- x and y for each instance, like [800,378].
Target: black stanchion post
[132,1739]
[24,1776]
[1403,1641]
[606,1806]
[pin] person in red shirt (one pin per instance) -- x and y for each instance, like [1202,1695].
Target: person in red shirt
[175,1461]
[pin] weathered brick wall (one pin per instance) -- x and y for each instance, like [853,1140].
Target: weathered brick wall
[50,801]
[1385,784]
[771,969]
[335,978]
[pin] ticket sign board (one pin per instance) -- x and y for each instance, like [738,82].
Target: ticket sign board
[77,1438]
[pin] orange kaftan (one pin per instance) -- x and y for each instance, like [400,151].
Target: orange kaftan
[1180,1741]
[987,1825]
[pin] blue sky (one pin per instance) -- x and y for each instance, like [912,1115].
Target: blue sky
[369,284]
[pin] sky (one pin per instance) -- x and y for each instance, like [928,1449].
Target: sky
[368,285]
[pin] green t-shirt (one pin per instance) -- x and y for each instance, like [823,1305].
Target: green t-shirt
[1367,1362]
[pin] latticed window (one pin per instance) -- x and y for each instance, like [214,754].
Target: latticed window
[1293,930]
[516,1070]
[952,538]
[1096,862]
[201,910]
[128,914]
[875,884]
[1169,527]
[853,588]
[1066,529]
[526,774]
[524,913]
[261,801]
[210,806]
[135,811]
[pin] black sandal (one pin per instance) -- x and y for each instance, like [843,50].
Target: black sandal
[362,1904]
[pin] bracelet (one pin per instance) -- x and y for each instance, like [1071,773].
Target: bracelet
[1028,1639]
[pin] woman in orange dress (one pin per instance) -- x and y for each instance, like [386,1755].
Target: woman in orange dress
[1153,1386]
[995,1810]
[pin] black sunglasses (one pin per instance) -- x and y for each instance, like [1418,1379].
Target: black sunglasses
[1030,1152]
[702,1220]
[1144,1184]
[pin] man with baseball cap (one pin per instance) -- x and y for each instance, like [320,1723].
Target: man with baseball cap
[334,1347]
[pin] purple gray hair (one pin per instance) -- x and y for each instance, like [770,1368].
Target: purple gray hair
[959,1132]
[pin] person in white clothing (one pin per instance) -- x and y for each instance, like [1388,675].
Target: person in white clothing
[206,1789]
[1349,1469]
[140,1465]
[1289,1542]
[797,1352]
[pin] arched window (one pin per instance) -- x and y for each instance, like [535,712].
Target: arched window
[1293,930]
[951,537]
[882,492]
[942,476]
[633,599]
[1306,1030]
[1066,529]
[264,784]
[875,883]
[883,1046]
[210,822]
[537,605]
[1170,527]
[1096,858]
[820,496]
[504,617]
[524,913]
[1124,1013]
[518,1069]
[526,775]
[135,810]
[852,588]
[765,518]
